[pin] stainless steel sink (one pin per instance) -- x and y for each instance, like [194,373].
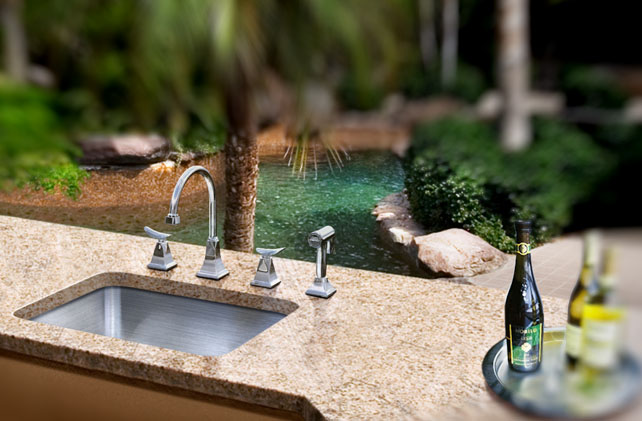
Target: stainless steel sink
[167,321]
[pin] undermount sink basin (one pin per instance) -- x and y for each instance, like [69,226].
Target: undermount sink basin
[163,320]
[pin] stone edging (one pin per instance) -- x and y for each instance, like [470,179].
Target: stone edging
[450,253]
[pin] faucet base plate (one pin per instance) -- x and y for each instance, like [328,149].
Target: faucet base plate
[266,284]
[212,275]
[163,267]
[213,267]
[321,288]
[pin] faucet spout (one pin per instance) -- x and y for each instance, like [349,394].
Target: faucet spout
[213,267]
[173,218]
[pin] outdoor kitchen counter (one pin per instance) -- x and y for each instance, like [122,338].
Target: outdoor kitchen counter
[383,347]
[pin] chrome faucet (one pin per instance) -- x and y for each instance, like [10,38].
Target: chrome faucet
[322,240]
[213,267]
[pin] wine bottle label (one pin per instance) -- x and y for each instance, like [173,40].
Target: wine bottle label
[573,340]
[601,339]
[525,345]
[523,248]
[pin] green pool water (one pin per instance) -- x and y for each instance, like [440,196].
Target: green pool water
[289,207]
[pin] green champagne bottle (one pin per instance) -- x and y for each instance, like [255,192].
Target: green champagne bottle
[586,286]
[602,318]
[524,314]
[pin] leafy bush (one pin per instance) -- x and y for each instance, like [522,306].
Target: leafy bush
[469,83]
[200,139]
[587,86]
[458,176]
[359,93]
[33,148]
[66,178]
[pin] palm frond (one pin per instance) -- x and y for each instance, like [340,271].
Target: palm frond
[298,153]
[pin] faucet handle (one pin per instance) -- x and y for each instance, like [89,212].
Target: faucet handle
[162,258]
[269,252]
[266,276]
[157,235]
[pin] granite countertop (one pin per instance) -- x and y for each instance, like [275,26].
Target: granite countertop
[383,347]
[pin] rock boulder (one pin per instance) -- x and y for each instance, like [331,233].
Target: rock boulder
[456,253]
[130,149]
[396,224]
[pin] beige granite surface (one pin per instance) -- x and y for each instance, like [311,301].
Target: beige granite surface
[384,347]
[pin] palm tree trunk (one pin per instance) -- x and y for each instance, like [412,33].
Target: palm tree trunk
[15,41]
[450,28]
[427,37]
[514,73]
[241,169]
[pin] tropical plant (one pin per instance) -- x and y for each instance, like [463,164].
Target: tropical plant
[315,143]
[178,67]
[450,29]
[243,51]
[514,76]
[234,36]
[88,48]
[15,42]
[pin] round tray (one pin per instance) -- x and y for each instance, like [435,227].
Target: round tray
[553,392]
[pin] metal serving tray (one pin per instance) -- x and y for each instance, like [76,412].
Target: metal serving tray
[553,392]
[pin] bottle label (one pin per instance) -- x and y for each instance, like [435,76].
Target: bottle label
[601,339]
[525,345]
[523,248]
[573,340]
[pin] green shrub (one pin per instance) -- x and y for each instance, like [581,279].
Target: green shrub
[33,147]
[458,176]
[359,93]
[200,139]
[586,86]
[65,178]
[469,83]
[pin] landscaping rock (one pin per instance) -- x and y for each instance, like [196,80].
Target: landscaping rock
[129,149]
[490,104]
[395,221]
[457,253]
[451,253]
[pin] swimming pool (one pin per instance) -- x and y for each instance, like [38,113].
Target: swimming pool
[289,207]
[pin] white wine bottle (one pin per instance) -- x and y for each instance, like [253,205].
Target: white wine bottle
[586,286]
[524,314]
[602,318]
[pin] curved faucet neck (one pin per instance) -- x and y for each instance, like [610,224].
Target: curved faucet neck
[173,206]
